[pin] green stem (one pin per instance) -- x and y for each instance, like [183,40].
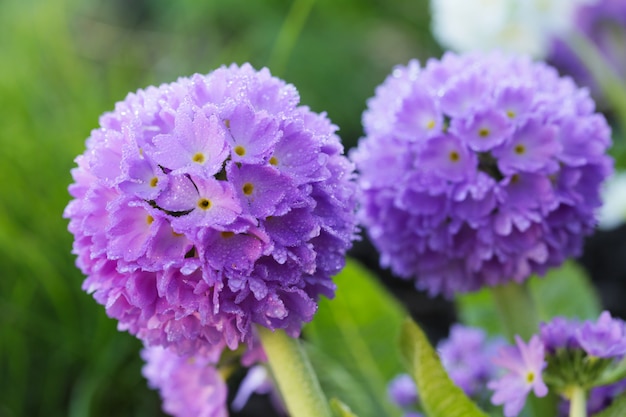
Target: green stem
[289,33]
[294,375]
[578,402]
[516,309]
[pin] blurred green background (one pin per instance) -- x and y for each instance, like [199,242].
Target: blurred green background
[65,62]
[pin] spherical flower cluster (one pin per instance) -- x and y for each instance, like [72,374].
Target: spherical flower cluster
[603,23]
[566,353]
[479,169]
[522,26]
[209,204]
[189,386]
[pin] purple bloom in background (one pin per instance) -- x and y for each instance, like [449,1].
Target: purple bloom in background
[605,338]
[467,357]
[189,386]
[479,169]
[524,363]
[559,333]
[603,22]
[402,391]
[210,204]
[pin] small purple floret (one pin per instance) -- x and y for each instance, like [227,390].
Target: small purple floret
[524,363]
[479,169]
[605,338]
[189,386]
[208,205]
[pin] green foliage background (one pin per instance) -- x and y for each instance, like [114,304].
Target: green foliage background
[62,64]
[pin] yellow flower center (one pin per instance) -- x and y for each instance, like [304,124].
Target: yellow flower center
[240,150]
[483,132]
[430,125]
[204,203]
[273,161]
[248,188]
[154,181]
[520,149]
[149,219]
[198,157]
[454,156]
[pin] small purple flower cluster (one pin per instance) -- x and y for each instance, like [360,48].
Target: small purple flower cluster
[603,22]
[189,386]
[210,204]
[479,169]
[568,352]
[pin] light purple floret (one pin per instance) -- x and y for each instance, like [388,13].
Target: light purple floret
[606,338]
[210,204]
[479,169]
[189,386]
[525,363]
[402,391]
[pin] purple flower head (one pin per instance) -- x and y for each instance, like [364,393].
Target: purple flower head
[524,363]
[189,386]
[467,357]
[402,391]
[603,22]
[479,169]
[559,333]
[210,204]
[605,338]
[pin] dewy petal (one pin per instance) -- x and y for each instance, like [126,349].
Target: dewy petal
[197,145]
[252,135]
[447,157]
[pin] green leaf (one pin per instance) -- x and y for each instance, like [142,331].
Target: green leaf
[617,409]
[565,291]
[439,396]
[359,329]
[340,409]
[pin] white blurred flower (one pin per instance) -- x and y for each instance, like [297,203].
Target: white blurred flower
[613,211]
[522,26]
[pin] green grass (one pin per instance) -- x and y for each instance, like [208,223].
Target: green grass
[65,62]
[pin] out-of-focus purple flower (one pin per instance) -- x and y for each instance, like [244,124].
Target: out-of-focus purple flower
[467,357]
[479,169]
[559,333]
[210,204]
[402,391]
[605,338]
[189,386]
[525,363]
[603,22]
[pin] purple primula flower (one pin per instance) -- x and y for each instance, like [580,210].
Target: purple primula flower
[525,363]
[210,204]
[189,386]
[559,333]
[603,23]
[402,391]
[605,338]
[467,357]
[479,169]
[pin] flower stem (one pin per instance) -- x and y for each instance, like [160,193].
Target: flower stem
[578,402]
[294,375]
[516,309]
[288,35]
